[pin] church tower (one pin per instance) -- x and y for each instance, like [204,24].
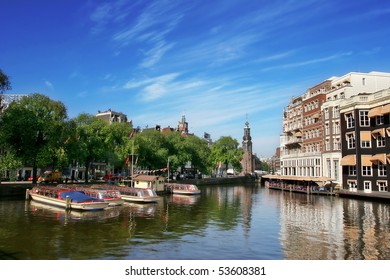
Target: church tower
[247,159]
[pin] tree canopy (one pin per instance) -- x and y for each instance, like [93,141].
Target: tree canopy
[226,151]
[5,84]
[32,129]
[35,131]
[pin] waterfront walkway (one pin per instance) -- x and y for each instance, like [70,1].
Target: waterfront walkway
[317,185]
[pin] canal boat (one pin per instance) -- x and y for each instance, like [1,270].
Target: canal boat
[138,195]
[183,189]
[66,197]
[113,197]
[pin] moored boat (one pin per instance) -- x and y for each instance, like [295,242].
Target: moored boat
[66,198]
[139,195]
[185,189]
[113,197]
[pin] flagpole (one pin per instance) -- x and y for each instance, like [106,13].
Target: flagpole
[168,170]
[132,163]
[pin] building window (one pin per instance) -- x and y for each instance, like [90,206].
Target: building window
[352,185]
[336,128]
[380,141]
[367,186]
[350,120]
[379,120]
[336,112]
[336,144]
[382,186]
[336,164]
[351,141]
[327,145]
[366,170]
[327,129]
[382,171]
[329,168]
[326,115]
[365,144]
[364,119]
[352,170]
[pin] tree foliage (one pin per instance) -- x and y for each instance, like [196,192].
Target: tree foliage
[5,84]
[88,142]
[37,132]
[226,150]
[32,128]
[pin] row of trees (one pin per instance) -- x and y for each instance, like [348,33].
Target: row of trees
[36,131]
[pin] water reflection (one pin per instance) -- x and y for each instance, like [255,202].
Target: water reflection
[322,228]
[46,211]
[366,230]
[223,222]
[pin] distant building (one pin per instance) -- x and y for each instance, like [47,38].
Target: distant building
[111,117]
[312,140]
[247,159]
[183,126]
[7,99]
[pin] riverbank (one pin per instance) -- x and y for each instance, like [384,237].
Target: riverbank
[382,196]
[317,186]
[220,180]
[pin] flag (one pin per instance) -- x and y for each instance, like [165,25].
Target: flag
[136,160]
[131,134]
[127,160]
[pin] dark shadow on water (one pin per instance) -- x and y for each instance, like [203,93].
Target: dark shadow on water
[8,256]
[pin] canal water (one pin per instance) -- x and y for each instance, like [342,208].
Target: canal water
[223,223]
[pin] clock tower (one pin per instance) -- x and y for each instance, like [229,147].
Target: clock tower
[247,159]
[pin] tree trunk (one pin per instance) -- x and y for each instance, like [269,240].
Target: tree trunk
[34,180]
[86,171]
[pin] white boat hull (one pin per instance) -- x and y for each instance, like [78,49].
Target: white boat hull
[131,198]
[185,192]
[87,206]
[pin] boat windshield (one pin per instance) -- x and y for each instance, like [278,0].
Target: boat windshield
[148,192]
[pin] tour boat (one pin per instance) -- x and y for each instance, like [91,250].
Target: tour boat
[140,195]
[113,197]
[186,189]
[66,197]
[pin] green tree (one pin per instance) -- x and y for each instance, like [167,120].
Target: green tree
[5,84]
[198,152]
[226,151]
[32,127]
[150,148]
[9,162]
[116,141]
[87,143]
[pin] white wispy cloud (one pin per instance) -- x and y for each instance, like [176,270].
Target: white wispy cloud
[153,55]
[49,84]
[136,83]
[308,62]
[151,28]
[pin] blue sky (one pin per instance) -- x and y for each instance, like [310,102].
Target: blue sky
[212,61]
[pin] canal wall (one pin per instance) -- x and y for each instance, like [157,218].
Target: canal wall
[14,189]
[219,180]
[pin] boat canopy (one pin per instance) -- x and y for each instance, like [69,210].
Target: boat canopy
[79,197]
